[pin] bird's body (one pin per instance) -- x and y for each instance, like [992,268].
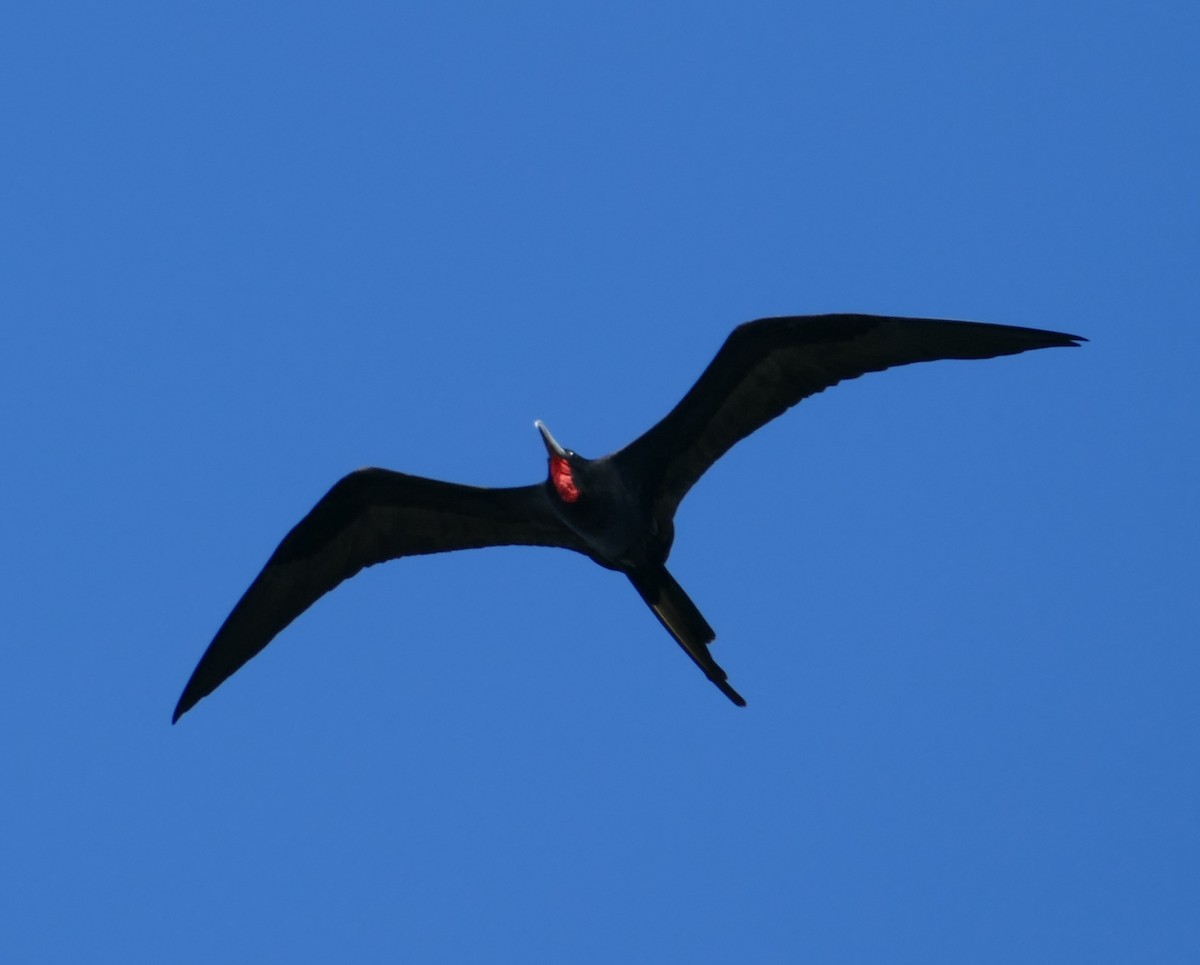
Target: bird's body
[619,509]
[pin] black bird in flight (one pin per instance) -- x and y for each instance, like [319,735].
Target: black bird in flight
[618,509]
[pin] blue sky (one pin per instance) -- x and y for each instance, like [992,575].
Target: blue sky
[246,248]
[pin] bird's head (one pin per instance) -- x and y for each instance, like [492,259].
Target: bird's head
[563,466]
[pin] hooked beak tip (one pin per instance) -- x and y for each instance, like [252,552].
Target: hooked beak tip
[551,443]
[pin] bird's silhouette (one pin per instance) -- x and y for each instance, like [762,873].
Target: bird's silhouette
[619,509]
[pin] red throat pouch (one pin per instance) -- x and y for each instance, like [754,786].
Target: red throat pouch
[563,479]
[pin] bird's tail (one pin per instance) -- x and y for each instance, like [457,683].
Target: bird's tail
[676,611]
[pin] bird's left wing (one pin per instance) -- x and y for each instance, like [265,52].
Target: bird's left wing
[368,517]
[766,367]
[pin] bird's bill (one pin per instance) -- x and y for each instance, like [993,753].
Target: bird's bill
[552,445]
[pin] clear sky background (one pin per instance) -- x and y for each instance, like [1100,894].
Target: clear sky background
[249,247]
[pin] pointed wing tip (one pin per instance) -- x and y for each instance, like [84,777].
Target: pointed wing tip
[1034,338]
[187,700]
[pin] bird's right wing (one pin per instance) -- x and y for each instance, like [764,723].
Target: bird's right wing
[767,366]
[368,517]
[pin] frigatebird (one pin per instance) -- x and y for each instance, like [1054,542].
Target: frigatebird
[619,509]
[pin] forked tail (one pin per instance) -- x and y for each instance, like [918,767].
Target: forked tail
[676,611]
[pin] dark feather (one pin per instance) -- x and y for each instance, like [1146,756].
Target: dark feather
[767,366]
[368,517]
[683,620]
